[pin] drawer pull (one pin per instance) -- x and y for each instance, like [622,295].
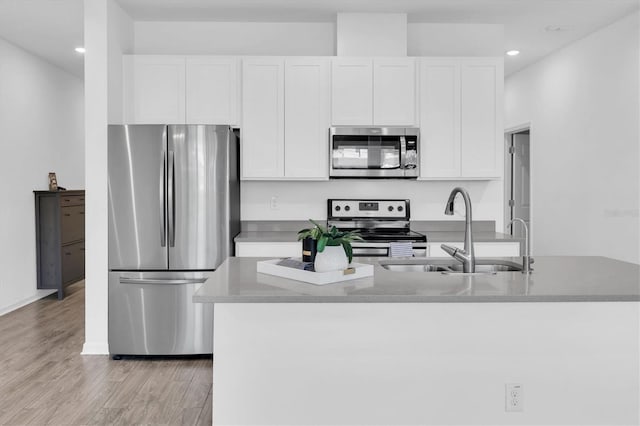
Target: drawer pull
[67,214]
[81,212]
[68,253]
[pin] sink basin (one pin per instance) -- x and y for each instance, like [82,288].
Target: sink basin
[486,266]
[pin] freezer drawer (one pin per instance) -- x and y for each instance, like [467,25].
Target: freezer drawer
[152,313]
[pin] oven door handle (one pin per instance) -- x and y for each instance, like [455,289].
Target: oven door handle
[370,251]
[403,152]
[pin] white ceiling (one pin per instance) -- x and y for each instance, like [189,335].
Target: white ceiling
[52,28]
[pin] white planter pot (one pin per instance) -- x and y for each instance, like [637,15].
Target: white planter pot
[332,258]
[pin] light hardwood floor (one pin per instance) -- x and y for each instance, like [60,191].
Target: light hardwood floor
[45,381]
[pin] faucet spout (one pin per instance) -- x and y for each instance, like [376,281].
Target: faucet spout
[467,255]
[527,260]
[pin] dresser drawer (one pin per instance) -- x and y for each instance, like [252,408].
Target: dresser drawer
[71,200]
[72,262]
[71,224]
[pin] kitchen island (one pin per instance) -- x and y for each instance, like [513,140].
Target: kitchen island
[427,348]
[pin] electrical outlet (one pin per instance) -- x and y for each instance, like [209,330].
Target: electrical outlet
[273,203]
[514,397]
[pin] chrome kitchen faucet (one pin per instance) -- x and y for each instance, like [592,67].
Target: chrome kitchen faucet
[467,255]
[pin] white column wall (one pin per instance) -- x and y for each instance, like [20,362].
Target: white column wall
[108,34]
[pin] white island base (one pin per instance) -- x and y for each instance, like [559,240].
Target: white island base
[425,363]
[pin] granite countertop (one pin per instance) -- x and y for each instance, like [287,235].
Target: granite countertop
[555,279]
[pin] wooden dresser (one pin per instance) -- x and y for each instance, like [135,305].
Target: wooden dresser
[59,238]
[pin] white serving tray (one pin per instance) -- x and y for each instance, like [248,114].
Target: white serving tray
[355,271]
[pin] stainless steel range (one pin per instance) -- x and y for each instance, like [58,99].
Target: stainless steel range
[380,222]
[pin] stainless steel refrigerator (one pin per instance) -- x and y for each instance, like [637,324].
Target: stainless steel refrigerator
[174,208]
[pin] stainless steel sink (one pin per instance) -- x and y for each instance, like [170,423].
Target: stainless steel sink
[483,266]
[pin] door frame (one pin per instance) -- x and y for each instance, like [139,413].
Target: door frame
[508,178]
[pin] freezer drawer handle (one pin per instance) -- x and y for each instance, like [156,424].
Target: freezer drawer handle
[161,281]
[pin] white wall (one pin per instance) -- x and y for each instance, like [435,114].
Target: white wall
[582,103]
[308,38]
[235,38]
[455,39]
[41,124]
[305,200]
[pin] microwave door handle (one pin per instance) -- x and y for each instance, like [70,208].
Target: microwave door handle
[403,152]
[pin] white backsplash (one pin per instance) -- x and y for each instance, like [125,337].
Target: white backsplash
[277,200]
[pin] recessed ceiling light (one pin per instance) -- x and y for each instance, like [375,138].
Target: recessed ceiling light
[513,52]
[557,28]
[80,49]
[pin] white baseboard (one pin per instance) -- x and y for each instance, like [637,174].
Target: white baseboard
[39,294]
[95,348]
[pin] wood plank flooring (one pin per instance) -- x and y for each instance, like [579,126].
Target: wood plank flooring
[45,381]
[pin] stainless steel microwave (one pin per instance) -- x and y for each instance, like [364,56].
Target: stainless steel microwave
[373,152]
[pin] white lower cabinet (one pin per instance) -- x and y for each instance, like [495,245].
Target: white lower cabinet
[483,249]
[269,249]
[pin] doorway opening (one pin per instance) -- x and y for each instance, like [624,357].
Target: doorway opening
[517,180]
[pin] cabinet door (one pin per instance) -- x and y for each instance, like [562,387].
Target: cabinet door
[307,92]
[262,138]
[269,249]
[352,91]
[394,88]
[439,118]
[481,117]
[154,89]
[211,90]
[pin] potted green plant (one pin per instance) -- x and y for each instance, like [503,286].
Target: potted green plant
[334,251]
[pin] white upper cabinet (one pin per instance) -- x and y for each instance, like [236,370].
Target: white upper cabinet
[154,89]
[352,91]
[262,134]
[379,91]
[307,110]
[394,87]
[165,89]
[439,118]
[460,118]
[211,90]
[481,128]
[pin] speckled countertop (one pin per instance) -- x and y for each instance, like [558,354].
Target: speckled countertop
[555,279]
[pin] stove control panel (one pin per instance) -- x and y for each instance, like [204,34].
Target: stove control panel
[351,209]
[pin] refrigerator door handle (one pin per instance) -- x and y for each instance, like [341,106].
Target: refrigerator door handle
[162,281]
[163,194]
[171,205]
